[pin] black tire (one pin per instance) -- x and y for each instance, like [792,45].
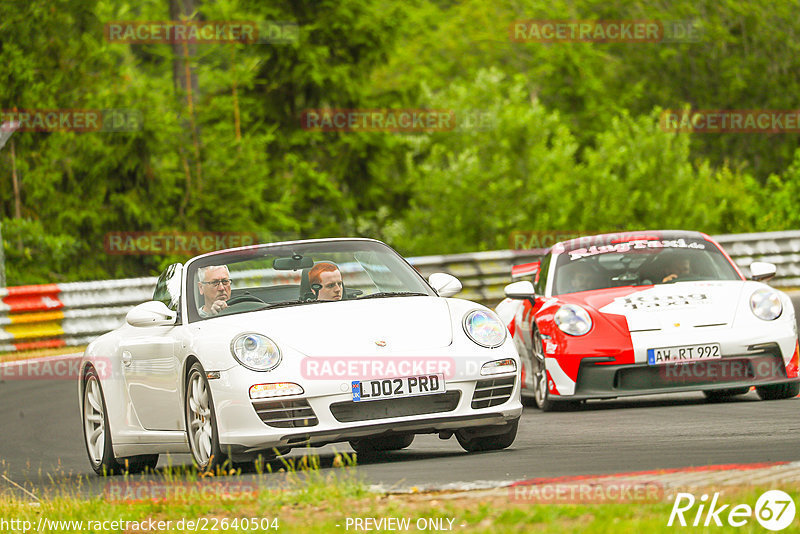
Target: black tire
[204,446]
[724,394]
[778,391]
[541,393]
[493,442]
[102,459]
[382,444]
[528,402]
[100,452]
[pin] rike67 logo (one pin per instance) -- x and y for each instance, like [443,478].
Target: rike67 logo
[774,510]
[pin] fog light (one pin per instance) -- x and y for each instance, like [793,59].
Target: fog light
[498,367]
[281,389]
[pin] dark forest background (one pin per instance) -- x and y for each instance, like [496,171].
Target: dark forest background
[574,142]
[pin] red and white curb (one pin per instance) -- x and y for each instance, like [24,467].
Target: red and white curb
[753,474]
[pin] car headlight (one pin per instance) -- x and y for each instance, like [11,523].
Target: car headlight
[484,328]
[256,352]
[766,304]
[573,320]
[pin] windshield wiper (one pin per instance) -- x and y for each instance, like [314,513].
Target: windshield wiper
[285,303]
[387,294]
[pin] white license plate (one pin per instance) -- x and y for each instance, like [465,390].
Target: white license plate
[392,388]
[683,353]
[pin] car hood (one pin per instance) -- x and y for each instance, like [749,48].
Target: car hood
[664,306]
[352,328]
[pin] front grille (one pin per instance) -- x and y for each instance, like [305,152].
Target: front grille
[286,413]
[492,392]
[349,411]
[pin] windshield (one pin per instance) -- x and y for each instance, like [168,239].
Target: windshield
[298,274]
[639,263]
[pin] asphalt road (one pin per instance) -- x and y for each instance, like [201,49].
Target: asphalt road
[41,445]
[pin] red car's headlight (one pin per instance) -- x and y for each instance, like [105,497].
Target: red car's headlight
[573,320]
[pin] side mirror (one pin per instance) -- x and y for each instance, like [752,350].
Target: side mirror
[153,313]
[446,285]
[520,290]
[761,270]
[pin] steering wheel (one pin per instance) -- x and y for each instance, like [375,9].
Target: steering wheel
[244,298]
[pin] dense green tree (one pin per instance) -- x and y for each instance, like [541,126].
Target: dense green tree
[573,141]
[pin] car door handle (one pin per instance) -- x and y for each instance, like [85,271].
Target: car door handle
[126,358]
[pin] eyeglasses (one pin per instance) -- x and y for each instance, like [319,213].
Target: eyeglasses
[224,281]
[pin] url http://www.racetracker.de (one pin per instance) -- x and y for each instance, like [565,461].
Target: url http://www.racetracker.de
[201,524]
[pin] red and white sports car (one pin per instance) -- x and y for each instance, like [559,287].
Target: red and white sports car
[655,312]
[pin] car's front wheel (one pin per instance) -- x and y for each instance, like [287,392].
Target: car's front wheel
[381,444]
[471,442]
[541,392]
[778,391]
[201,422]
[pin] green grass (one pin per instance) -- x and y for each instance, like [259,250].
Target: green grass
[306,500]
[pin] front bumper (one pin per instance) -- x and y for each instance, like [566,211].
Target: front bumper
[326,413]
[598,379]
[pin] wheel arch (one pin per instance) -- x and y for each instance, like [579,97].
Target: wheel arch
[188,362]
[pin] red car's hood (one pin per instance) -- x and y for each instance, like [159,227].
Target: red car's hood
[654,307]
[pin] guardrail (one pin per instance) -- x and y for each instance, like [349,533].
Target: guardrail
[72,314]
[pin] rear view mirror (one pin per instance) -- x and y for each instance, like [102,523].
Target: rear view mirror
[520,290]
[293,263]
[446,285]
[152,313]
[761,270]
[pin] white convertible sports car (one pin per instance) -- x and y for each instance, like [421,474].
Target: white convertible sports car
[649,312]
[260,349]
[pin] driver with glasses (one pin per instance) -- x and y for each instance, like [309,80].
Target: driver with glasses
[215,286]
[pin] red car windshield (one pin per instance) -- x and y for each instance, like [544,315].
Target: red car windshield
[640,262]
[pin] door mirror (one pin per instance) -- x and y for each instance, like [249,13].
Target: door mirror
[761,270]
[520,290]
[446,285]
[152,313]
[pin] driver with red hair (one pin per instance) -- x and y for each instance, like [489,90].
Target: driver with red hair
[326,281]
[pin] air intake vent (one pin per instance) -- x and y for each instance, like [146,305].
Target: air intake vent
[492,392]
[350,411]
[286,414]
